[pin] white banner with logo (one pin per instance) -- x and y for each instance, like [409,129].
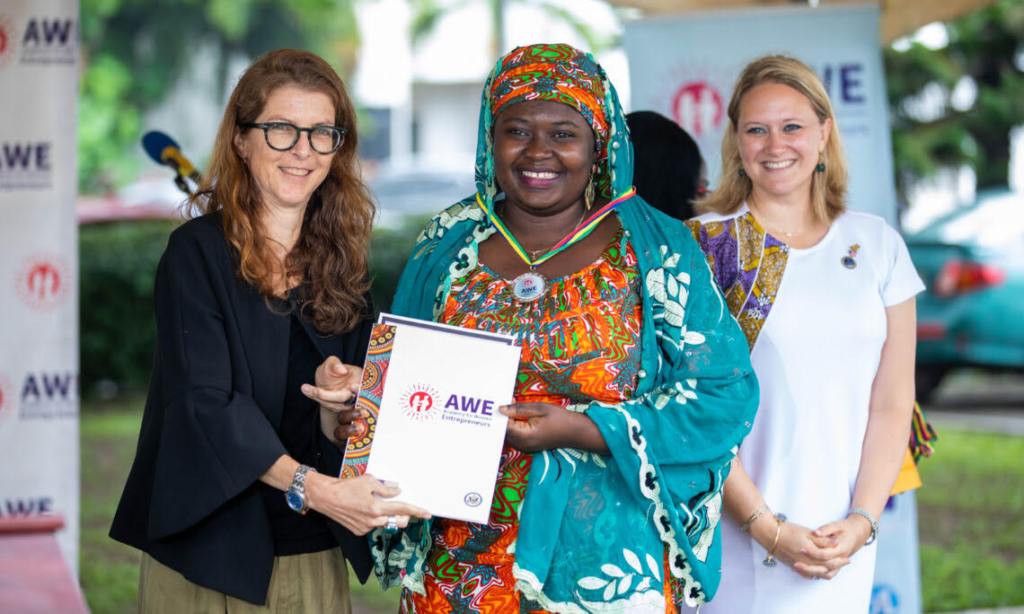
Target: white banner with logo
[39,263]
[684,67]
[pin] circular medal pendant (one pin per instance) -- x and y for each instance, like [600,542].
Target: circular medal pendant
[528,287]
[849,262]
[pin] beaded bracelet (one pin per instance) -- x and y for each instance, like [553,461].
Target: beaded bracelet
[753,517]
[769,560]
[871,519]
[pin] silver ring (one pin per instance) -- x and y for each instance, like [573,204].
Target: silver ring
[816,578]
[391,525]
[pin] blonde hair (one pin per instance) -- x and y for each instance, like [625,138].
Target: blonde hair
[828,188]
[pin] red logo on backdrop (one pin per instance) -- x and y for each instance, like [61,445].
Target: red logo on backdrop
[418,401]
[698,108]
[6,40]
[6,397]
[43,282]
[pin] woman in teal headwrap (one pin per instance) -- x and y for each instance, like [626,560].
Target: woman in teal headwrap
[635,386]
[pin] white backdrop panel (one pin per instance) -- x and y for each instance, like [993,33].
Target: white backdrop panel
[39,55]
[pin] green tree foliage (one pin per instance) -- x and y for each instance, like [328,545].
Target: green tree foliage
[118,261]
[985,49]
[117,264]
[135,51]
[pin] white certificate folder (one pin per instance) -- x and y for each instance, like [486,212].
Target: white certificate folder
[432,393]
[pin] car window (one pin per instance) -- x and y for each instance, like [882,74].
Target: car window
[995,222]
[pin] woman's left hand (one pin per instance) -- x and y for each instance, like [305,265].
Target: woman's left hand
[535,427]
[337,385]
[848,534]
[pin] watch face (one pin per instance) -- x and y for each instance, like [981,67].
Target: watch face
[295,501]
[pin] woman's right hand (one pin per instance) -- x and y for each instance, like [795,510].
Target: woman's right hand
[336,385]
[359,504]
[813,557]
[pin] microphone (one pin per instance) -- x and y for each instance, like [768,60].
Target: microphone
[165,151]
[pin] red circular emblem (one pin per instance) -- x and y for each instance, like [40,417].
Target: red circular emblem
[418,401]
[698,108]
[6,40]
[43,282]
[6,399]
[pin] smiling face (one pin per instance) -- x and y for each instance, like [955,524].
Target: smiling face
[287,179]
[543,156]
[779,138]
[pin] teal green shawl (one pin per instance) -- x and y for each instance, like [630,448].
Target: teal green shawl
[596,531]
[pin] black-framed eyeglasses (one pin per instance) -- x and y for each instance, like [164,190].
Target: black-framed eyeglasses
[282,136]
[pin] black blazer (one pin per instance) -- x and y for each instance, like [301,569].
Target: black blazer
[209,431]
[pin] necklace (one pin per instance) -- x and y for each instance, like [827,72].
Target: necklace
[786,233]
[529,286]
[776,231]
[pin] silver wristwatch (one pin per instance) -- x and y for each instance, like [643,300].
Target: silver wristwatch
[295,496]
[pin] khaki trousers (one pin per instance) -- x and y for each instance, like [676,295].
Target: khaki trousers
[299,584]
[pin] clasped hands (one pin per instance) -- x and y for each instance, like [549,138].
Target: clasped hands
[814,554]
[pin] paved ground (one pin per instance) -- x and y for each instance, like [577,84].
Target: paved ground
[972,400]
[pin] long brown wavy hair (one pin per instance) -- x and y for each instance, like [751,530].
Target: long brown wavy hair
[828,188]
[330,256]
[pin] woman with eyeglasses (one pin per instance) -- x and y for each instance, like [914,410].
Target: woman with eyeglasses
[233,496]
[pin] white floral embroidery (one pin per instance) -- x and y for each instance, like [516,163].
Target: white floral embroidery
[669,291]
[707,536]
[619,581]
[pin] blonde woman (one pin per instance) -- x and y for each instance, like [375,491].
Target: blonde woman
[825,297]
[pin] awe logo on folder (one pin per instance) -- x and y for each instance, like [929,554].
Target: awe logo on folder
[432,394]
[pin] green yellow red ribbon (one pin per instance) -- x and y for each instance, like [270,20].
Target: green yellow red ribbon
[582,230]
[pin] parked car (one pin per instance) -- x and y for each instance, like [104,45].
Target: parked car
[420,189]
[153,197]
[972,313]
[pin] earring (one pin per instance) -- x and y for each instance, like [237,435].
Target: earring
[821,164]
[588,194]
[742,172]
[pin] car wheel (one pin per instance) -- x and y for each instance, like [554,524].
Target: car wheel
[926,381]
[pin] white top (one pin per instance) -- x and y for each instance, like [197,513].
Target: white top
[815,358]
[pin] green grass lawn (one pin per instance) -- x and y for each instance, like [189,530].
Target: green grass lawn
[971,519]
[109,571]
[971,522]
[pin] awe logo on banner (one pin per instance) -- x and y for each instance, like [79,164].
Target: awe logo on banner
[39,374]
[40,40]
[37,41]
[43,395]
[26,165]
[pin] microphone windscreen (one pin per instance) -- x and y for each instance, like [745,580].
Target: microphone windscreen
[155,143]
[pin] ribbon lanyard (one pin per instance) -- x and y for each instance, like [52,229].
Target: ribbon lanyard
[582,230]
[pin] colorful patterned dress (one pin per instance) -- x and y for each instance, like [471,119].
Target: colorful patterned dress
[580,343]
